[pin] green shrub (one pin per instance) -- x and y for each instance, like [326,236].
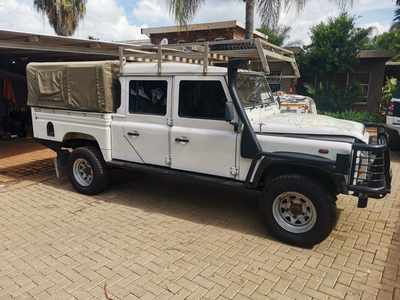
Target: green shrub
[352,115]
[388,92]
[332,98]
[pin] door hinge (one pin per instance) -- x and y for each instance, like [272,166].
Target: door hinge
[169,121]
[234,171]
[168,160]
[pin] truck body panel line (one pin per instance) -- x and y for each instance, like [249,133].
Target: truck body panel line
[134,148]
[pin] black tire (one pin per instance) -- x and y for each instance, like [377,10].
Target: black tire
[87,170]
[235,46]
[298,210]
[394,142]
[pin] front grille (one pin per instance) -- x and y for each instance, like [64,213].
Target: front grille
[370,167]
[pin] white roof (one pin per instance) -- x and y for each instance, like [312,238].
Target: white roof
[169,68]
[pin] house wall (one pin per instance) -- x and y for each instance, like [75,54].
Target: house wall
[191,36]
[376,67]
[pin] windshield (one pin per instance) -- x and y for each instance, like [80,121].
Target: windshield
[253,89]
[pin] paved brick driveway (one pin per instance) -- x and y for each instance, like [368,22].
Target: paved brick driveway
[154,237]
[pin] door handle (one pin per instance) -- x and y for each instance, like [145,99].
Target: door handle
[182,139]
[133,133]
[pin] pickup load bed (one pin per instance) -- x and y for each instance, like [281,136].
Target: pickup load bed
[84,86]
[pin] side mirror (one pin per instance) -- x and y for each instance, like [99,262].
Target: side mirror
[229,111]
[230,114]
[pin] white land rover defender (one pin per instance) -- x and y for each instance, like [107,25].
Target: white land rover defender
[169,109]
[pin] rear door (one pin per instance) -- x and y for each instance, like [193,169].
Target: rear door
[145,128]
[201,140]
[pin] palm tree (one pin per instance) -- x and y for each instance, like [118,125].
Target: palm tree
[278,35]
[396,20]
[268,10]
[63,15]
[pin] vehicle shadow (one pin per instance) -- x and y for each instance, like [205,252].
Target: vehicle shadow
[199,202]
[190,200]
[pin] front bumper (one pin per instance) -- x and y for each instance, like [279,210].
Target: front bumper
[370,174]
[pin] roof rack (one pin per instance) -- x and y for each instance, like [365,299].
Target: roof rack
[211,53]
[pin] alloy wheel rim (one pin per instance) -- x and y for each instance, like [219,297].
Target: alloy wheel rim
[294,212]
[83,172]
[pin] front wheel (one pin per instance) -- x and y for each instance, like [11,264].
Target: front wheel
[87,170]
[298,210]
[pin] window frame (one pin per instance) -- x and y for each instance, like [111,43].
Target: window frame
[368,85]
[200,117]
[137,80]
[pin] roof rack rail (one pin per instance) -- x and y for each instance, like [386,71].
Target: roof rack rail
[210,53]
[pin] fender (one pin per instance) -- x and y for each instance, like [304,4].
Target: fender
[296,159]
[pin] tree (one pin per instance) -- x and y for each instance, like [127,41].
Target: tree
[333,52]
[63,15]
[278,34]
[334,47]
[396,20]
[389,41]
[386,41]
[268,11]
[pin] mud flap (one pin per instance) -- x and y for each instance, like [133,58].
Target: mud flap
[60,163]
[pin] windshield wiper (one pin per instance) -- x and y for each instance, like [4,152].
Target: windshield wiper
[255,103]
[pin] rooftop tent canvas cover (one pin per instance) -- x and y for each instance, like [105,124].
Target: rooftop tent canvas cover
[89,86]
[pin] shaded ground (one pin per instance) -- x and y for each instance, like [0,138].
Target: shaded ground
[22,158]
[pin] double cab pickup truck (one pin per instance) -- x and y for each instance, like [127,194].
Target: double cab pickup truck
[206,115]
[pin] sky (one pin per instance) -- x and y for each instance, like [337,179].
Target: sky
[121,20]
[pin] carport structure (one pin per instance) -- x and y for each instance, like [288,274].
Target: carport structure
[17,49]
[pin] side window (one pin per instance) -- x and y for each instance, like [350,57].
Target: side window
[148,97]
[201,99]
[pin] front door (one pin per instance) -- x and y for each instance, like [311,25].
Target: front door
[146,129]
[201,140]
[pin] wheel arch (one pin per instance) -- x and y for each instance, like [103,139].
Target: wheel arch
[268,170]
[77,139]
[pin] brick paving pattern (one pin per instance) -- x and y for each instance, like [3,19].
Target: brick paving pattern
[23,157]
[154,237]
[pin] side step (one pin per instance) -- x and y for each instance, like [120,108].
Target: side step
[177,173]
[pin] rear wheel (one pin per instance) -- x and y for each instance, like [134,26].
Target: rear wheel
[87,170]
[298,210]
